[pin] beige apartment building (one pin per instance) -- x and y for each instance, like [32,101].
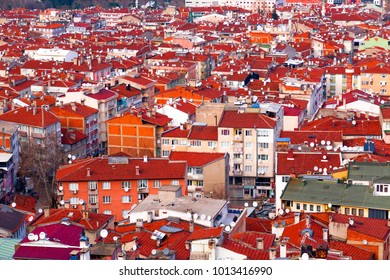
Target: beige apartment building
[376,80]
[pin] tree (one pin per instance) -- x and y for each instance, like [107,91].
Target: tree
[40,163]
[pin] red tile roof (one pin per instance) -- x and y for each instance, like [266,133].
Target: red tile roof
[196,159]
[103,94]
[259,225]
[204,133]
[296,234]
[80,110]
[206,233]
[100,169]
[303,162]
[71,136]
[354,252]
[43,253]
[176,132]
[26,116]
[249,238]
[299,137]
[251,253]
[233,119]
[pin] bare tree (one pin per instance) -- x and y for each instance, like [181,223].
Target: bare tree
[40,163]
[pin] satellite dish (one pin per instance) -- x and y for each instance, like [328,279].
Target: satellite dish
[221,225]
[36,237]
[103,233]
[135,248]
[329,205]
[60,188]
[115,238]
[196,216]
[320,169]
[323,142]
[312,144]
[166,251]
[305,256]
[353,122]
[30,218]
[30,236]
[203,217]
[40,210]
[42,235]
[81,201]
[62,202]
[287,210]
[328,142]
[246,204]
[281,211]
[13,204]
[232,224]
[154,251]
[351,222]
[208,218]
[255,204]
[189,215]
[299,148]
[329,147]
[365,242]
[73,157]
[227,228]
[315,168]
[276,224]
[325,169]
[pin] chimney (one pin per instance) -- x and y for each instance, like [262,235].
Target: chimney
[191,228]
[150,216]
[283,250]
[34,110]
[139,224]
[85,213]
[272,253]
[88,171]
[82,101]
[344,103]
[73,104]
[158,242]
[260,243]
[145,158]
[99,59]
[46,212]
[137,170]
[188,245]
[149,113]
[297,217]
[307,221]
[325,234]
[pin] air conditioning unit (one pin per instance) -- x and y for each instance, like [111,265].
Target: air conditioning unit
[74,191]
[126,189]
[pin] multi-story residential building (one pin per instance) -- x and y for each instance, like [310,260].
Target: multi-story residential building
[49,30]
[35,125]
[114,184]
[249,138]
[9,157]
[142,83]
[341,79]
[376,80]
[82,118]
[384,119]
[208,173]
[114,16]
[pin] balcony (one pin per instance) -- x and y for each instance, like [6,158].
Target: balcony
[238,138]
[237,149]
[38,135]
[237,172]
[92,191]
[237,160]
[143,190]
[93,205]
[195,176]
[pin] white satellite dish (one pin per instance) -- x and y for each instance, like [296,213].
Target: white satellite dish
[81,201]
[323,142]
[60,188]
[36,238]
[13,204]
[351,222]
[227,228]
[103,233]
[246,204]
[254,204]
[203,217]
[312,144]
[287,210]
[30,236]
[365,242]
[328,142]
[329,205]
[299,148]
[115,238]
[281,211]
[42,235]
[196,216]
[62,202]
[232,224]
[30,218]
[208,218]
[134,247]
[315,168]
[329,147]
[189,215]
[40,210]
[73,157]
[320,169]
[305,256]
[154,251]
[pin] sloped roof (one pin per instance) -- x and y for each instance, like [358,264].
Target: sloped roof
[233,119]
[196,159]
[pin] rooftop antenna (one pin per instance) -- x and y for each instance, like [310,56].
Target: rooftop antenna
[166,251]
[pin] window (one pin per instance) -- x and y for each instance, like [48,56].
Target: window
[225,132]
[248,168]
[142,184]
[248,145]
[361,212]
[304,206]
[195,143]
[318,208]
[92,185]
[106,199]
[38,141]
[106,185]
[263,133]
[93,199]
[23,127]
[125,213]
[156,184]
[346,211]
[311,207]
[225,144]
[107,212]
[126,199]
[211,144]
[248,156]
[263,145]
[165,141]
[195,170]
[263,157]
[165,153]
[175,183]
[38,130]
[73,200]
[183,142]
[248,132]
[73,186]
[126,185]
[285,179]
[175,142]
[298,206]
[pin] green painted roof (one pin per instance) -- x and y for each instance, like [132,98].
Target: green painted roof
[324,192]
[367,171]
[7,246]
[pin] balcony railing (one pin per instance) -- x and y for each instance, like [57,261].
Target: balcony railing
[93,205]
[92,191]
[143,190]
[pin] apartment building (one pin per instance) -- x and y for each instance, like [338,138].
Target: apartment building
[376,80]
[115,184]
